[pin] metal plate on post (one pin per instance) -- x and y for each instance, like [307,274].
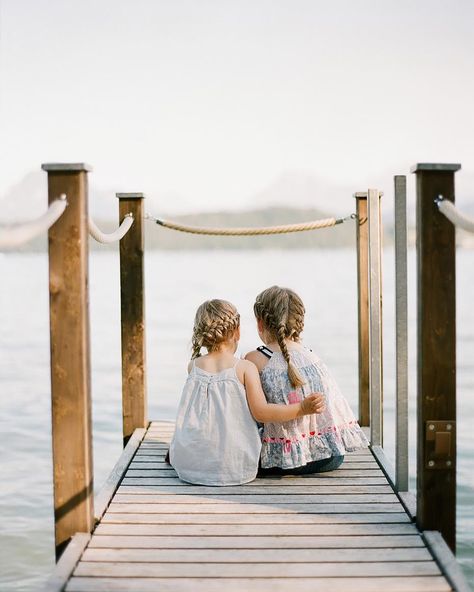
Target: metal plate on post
[440,438]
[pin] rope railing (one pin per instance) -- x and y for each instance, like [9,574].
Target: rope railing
[117,235]
[19,234]
[447,208]
[251,231]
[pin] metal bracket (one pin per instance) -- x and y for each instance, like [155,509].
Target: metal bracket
[440,443]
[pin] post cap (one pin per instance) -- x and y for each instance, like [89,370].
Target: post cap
[66,167]
[363,194]
[130,195]
[434,166]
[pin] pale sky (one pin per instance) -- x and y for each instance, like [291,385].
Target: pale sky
[211,100]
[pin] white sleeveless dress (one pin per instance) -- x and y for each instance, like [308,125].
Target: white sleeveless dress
[216,440]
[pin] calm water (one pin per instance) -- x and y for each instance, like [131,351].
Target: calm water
[176,284]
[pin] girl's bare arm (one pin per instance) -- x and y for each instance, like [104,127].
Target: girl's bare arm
[267,412]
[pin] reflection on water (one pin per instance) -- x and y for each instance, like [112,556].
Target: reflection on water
[175,284]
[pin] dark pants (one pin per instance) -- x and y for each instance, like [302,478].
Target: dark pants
[317,466]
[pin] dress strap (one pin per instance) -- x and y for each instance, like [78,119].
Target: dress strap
[263,349]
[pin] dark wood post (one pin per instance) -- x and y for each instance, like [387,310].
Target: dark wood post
[436,294]
[362,238]
[70,354]
[134,395]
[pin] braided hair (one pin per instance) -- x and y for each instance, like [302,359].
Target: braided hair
[215,322]
[282,312]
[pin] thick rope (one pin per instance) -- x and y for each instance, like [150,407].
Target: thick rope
[283,229]
[102,237]
[14,236]
[447,208]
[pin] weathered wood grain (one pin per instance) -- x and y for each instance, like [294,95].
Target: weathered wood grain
[237,508]
[132,305]
[286,500]
[257,570]
[343,531]
[156,487]
[126,517]
[255,555]
[294,530]
[68,242]
[349,584]
[103,498]
[255,542]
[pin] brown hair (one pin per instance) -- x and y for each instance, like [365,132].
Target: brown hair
[282,312]
[215,322]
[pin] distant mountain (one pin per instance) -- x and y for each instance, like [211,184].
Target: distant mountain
[292,197]
[304,190]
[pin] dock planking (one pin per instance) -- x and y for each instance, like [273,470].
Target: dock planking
[344,530]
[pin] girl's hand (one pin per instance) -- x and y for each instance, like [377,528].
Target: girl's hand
[313,403]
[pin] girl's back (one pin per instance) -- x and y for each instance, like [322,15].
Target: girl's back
[216,440]
[295,443]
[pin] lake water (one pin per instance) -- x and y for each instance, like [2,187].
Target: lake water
[176,282]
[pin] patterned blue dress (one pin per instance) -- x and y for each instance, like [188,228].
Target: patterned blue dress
[310,438]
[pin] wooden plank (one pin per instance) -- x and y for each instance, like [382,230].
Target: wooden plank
[255,542]
[285,500]
[255,529]
[294,482]
[446,560]
[385,464]
[102,500]
[70,355]
[155,487]
[376,584]
[132,304]
[230,508]
[67,563]
[158,452]
[255,555]
[353,469]
[436,383]
[126,517]
[257,570]
[288,499]
[159,449]
[408,500]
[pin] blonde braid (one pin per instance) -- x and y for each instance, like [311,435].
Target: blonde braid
[216,322]
[293,374]
[196,346]
[282,312]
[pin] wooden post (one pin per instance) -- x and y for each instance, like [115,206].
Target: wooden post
[70,354]
[134,396]
[375,317]
[363,306]
[401,327]
[436,399]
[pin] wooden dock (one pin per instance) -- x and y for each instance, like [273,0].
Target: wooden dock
[345,531]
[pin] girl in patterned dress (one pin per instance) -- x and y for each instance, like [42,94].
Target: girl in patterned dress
[216,439]
[289,372]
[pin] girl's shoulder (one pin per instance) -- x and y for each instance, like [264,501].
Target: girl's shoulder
[259,357]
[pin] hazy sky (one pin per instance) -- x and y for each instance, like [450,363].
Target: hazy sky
[211,100]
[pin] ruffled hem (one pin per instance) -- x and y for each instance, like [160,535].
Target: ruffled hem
[289,453]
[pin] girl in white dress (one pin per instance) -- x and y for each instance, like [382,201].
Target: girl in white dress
[216,440]
[288,371]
